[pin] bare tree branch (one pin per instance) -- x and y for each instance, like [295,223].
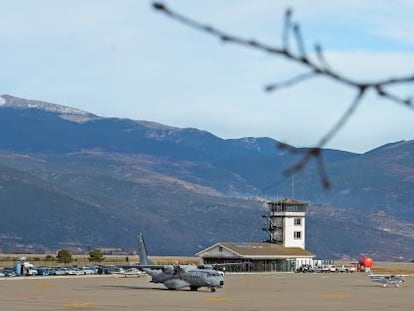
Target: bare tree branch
[292,81]
[286,29]
[321,58]
[316,69]
[299,41]
[344,118]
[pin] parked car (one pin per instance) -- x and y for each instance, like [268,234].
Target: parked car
[113,270]
[322,269]
[43,271]
[347,268]
[30,271]
[326,268]
[60,271]
[87,270]
[9,272]
[133,272]
[305,268]
[70,271]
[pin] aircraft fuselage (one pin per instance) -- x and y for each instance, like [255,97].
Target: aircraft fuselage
[386,280]
[187,277]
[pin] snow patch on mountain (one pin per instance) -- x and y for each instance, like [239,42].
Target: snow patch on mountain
[65,112]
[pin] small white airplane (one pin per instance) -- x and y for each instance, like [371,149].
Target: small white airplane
[387,279]
[179,276]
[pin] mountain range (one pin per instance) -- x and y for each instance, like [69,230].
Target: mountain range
[69,178]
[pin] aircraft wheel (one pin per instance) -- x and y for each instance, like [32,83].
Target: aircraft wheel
[213,290]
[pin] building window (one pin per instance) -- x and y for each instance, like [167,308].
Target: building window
[220,249]
[298,221]
[297,235]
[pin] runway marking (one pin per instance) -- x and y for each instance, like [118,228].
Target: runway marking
[79,304]
[335,296]
[218,299]
[43,286]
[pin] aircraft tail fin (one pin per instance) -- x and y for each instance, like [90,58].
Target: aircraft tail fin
[142,252]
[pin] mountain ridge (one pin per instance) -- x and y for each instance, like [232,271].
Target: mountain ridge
[187,189]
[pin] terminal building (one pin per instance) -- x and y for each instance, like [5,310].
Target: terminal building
[284,250]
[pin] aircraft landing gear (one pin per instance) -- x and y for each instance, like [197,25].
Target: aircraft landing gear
[213,290]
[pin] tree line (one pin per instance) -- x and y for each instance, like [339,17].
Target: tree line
[65,256]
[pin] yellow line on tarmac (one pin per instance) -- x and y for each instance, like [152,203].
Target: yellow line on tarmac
[43,285]
[78,304]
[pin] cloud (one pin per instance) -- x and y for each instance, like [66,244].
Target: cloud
[121,58]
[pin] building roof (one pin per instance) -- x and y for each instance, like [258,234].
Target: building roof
[251,250]
[288,201]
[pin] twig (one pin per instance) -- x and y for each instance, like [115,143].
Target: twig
[291,82]
[344,118]
[286,29]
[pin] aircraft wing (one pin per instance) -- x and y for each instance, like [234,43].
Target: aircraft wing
[169,269]
[224,265]
[372,275]
[154,267]
[231,264]
[218,265]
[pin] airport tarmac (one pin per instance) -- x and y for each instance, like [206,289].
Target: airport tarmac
[276,291]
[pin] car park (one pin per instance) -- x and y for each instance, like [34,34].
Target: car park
[31,270]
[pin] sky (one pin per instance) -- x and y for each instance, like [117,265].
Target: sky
[121,58]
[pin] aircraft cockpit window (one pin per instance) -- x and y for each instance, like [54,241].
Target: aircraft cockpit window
[213,275]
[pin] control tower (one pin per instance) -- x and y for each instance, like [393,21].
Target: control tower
[285,222]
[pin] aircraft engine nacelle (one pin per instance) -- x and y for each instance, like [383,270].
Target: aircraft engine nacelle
[168,269]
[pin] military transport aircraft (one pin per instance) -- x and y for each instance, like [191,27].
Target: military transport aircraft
[387,279]
[179,276]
